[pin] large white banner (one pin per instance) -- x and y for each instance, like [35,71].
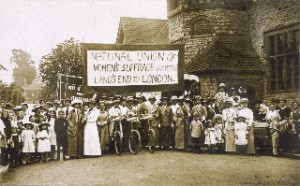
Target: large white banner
[126,68]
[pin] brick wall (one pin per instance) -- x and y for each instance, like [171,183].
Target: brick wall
[266,15]
[222,22]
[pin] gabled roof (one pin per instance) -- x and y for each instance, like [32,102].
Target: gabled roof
[226,52]
[143,31]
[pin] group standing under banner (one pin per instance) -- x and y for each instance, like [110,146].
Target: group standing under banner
[223,123]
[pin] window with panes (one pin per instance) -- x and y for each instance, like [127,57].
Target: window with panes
[283,59]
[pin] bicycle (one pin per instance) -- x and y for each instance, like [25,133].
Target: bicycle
[151,137]
[117,136]
[134,137]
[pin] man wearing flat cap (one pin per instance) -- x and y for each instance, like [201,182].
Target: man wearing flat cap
[199,109]
[166,118]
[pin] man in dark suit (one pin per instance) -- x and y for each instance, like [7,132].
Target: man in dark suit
[165,116]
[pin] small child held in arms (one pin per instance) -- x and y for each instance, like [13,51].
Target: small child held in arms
[196,128]
[28,139]
[241,131]
[210,136]
[219,127]
[44,146]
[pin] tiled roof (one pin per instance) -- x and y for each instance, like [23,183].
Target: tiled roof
[143,31]
[226,52]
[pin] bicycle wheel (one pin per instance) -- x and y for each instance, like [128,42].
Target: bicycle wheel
[118,142]
[134,141]
[151,140]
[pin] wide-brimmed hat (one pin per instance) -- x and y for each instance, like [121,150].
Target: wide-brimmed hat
[76,101]
[27,122]
[152,98]
[232,88]
[52,109]
[8,106]
[174,98]
[180,98]
[92,101]
[36,107]
[129,99]
[244,100]
[217,117]
[211,99]
[42,100]
[204,100]
[117,101]
[60,110]
[187,99]
[229,100]
[17,108]
[197,98]
[68,100]
[221,85]
[24,104]
[164,98]
[56,102]
[49,103]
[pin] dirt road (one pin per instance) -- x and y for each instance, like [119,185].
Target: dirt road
[160,168]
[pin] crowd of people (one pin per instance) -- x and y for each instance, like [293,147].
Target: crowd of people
[223,124]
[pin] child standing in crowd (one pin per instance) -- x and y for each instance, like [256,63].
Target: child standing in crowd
[219,127]
[51,121]
[14,147]
[44,146]
[196,128]
[240,130]
[273,119]
[210,136]
[60,128]
[28,138]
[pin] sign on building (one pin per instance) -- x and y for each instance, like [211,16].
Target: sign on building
[70,87]
[132,68]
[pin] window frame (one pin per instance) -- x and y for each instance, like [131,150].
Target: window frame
[284,55]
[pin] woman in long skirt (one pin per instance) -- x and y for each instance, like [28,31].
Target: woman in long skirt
[229,116]
[248,113]
[91,136]
[103,127]
[73,132]
[180,123]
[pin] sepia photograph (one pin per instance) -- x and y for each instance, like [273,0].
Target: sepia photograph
[149,92]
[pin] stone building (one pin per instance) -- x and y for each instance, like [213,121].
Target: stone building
[242,43]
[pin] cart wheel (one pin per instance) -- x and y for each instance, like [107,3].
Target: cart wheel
[118,142]
[134,141]
[151,140]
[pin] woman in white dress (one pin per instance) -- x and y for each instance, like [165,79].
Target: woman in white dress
[91,146]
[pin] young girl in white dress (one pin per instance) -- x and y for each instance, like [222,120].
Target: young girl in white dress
[219,127]
[210,136]
[28,138]
[51,122]
[241,132]
[44,146]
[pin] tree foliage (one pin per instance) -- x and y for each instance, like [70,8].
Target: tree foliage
[11,93]
[64,59]
[24,71]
